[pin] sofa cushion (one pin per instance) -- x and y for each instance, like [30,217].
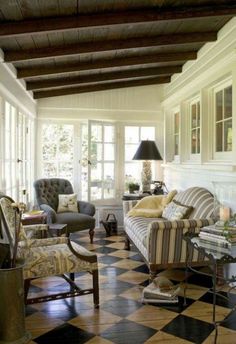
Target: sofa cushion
[151,206]
[200,199]
[175,211]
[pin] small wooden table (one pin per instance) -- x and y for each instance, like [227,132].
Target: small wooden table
[57,229]
[34,219]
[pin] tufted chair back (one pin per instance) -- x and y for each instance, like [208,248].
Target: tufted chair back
[48,189]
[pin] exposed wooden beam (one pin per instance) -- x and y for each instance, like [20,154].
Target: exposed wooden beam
[105,63]
[109,45]
[45,25]
[100,87]
[125,74]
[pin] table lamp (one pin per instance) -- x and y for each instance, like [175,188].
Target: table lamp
[147,151]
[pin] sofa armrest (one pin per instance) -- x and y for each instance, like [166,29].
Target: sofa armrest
[86,208]
[165,242]
[127,205]
[51,214]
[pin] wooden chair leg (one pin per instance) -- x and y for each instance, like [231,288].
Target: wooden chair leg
[95,289]
[127,244]
[91,234]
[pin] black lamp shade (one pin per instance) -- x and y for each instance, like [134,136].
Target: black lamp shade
[147,150]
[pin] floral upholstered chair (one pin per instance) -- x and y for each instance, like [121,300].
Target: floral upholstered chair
[47,257]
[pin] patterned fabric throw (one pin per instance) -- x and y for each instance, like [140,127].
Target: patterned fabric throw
[176,211]
[67,203]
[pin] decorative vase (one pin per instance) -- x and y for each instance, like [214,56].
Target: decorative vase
[12,314]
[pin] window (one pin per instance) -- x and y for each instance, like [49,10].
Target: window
[195,127]
[176,132]
[223,120]
[133,136]
[58,151]
[17,154]
[98,161]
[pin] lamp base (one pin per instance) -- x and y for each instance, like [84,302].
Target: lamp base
[146,176]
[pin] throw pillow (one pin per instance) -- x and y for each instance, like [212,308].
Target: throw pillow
[174,211]
[145,212]
[67,203]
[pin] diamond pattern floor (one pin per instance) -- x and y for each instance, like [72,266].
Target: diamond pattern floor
[122,318]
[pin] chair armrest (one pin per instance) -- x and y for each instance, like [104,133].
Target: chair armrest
[86,208]
[127,205]
[165,242]
[51,214]
[35,231]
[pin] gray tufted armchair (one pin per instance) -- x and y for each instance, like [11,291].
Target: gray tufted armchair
[47,191]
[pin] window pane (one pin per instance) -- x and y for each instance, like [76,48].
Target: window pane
[65,142]
[133,172]
[96,181]
[219,137]
[109,133]
[176,144]
[108,180]
[228,135]
[132,135]
[96,151]
[194,115]
[65,170]
[198,141]
[109,153]
[194,141]
[176,129]
[228,102]
[96,132]
[49,151]
[219,106]
[147,133]
[198,114]
[49,170]
[130,150]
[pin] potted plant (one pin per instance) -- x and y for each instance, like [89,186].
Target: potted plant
[12,315]
[133,187]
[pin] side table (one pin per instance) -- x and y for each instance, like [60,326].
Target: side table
[57,229]
[134,196]
[33,219]
[216,256]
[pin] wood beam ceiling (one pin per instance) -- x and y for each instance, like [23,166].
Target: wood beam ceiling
[45,25]
[35,71]
[101,87]
[109,45]
[137,73]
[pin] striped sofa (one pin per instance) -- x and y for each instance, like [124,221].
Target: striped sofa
[160,241]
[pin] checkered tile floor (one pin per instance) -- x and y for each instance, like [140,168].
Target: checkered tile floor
[122,318]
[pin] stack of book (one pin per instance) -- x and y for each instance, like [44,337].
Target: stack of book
[219,236]
[161,290]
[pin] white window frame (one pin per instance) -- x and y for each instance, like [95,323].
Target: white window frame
[194,156]
[176,111]
[219,156]
[19,190]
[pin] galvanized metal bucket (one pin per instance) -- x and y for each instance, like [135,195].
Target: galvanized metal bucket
[12,309]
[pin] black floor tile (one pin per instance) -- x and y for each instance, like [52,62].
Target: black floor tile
[136,257]
[176,307]
[103,242]
[190,329]
[231,321]
[121,306]
[104,250]
[128,332]
[198,279]
[29,310]
[220,301]
[65,334]
[143,268]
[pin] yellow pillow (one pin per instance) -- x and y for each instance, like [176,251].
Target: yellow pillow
[145,212]
[168,198]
